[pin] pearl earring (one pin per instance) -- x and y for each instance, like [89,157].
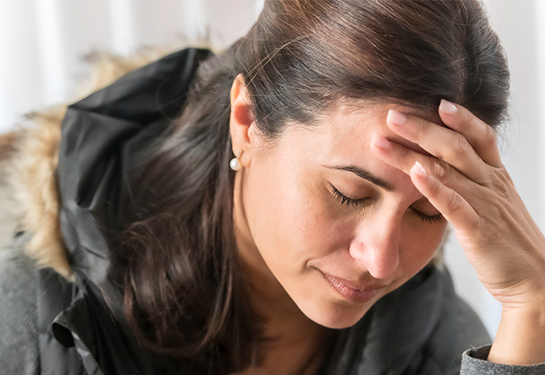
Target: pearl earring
[235,163]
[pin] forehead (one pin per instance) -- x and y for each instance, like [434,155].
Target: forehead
[352,125]
[342,137]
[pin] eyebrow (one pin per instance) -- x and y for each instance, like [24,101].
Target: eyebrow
[362,173]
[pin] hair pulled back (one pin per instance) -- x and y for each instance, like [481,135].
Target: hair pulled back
[185,295]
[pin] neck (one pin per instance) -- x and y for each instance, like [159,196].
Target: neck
[291,343]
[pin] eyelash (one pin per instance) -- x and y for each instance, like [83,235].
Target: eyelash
[343,199]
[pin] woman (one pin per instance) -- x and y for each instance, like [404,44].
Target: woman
[359,129]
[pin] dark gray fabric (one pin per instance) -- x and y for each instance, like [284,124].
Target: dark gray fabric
[54,295]
[464,330]
[19,349]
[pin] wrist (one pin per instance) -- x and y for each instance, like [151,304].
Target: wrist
[520,339]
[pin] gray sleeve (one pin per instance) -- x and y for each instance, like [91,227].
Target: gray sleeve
[474,363]
[19,348]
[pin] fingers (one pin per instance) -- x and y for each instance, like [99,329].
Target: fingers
[461,162]
[404,159]
[479,135]
[441,142]
[452,205]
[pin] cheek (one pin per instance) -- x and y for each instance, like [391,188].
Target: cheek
[290,222]
[420,245]
[295,223]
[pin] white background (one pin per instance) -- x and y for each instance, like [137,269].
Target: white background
[42,43]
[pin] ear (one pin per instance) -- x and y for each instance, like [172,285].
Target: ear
[244,135]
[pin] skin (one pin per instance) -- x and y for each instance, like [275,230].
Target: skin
[466,180]
[292,228]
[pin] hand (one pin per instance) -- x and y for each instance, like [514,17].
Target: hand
[466,181]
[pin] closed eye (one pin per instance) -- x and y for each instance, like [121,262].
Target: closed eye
[429,218]
[344,200]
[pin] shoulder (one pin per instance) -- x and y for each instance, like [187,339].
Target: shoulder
[19,347]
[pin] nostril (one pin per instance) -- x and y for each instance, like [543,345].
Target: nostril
[385,266]
[381,261]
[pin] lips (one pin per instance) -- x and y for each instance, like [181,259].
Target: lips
[351,291]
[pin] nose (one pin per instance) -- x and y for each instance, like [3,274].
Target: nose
[376,247]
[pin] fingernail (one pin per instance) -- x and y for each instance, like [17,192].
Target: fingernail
[396,117]
[380,141]
[419,170]
[447,107]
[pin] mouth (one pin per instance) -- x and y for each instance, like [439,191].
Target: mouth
[352,292]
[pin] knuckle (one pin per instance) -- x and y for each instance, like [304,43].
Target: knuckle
[424,126]
[490,136]
[468,116]
[505,175]
[440,170]
[404,153]
[435,189]
[455,203]
[460,145]
[501,183]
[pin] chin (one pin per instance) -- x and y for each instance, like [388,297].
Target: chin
[334,316]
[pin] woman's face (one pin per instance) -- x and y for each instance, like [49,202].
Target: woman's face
[318,216]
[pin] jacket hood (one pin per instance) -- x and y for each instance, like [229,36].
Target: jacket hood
[101,135]
[70,159]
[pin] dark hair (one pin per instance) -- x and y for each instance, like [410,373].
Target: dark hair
[184,290]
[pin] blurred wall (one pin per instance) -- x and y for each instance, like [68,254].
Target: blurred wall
[42,43]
